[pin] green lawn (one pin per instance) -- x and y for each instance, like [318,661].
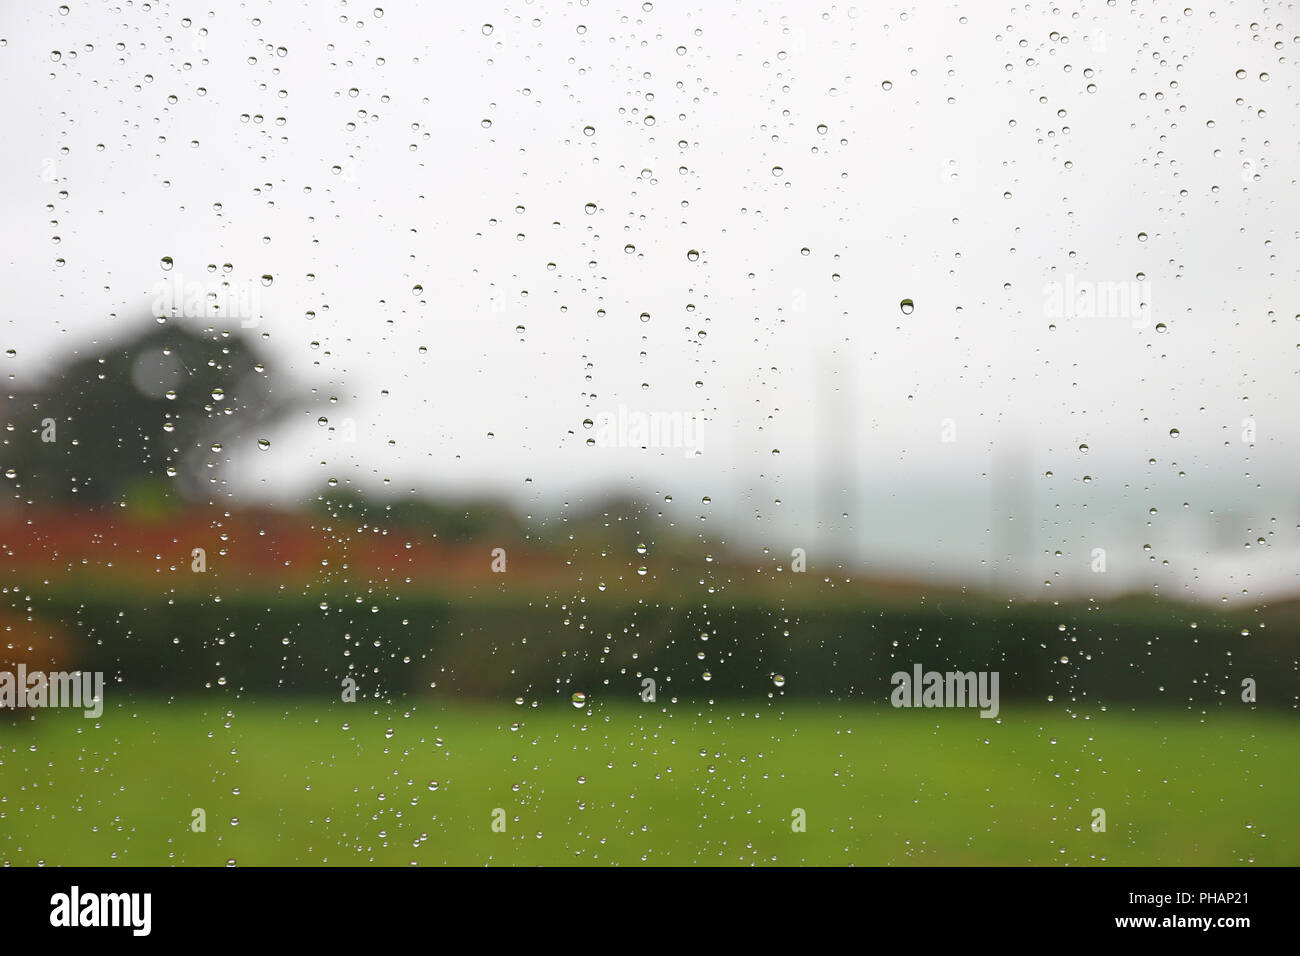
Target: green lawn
[289,783]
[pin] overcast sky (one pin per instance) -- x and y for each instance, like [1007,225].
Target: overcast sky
[415,181]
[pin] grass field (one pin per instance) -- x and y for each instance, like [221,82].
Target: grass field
[288,783]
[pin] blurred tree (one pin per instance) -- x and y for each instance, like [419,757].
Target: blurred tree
[157,411]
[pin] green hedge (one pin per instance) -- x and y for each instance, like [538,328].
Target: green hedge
[494,646]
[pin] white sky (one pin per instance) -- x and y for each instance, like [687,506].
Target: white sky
[1014,148]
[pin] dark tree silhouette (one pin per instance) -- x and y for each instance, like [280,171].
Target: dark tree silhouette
[166,404]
